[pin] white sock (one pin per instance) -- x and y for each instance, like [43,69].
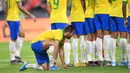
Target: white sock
[34,66]
[128,52]
[67,52]
[50,53]
[75,49]
[99,49]
[93,51]
[113,49]
[89,50]
[19,44]
[106,47]
[12,47]
[123,44]
[83,49]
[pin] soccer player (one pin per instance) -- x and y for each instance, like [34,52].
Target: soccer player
[48,38]
[90,32]
[117,25]
[101,21]
[77,20]
[13,20]
[58,18]
[128,27]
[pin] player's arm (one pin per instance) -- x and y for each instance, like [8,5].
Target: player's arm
[61,52]
[6,10]
[48,7]
[83,4]
[124,10]
[56,47]
[20,6]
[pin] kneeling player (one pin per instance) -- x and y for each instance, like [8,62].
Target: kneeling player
[41,44]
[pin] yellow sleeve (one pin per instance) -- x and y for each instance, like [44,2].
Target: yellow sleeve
[48,1]
[18,0]
[125,1]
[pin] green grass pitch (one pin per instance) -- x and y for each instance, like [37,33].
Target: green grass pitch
[27,55]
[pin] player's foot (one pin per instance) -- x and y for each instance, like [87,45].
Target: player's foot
[24,66]
[70,65]
[100,63]
[114,64]
[107,63]
[53,68]
[90,64]
[94,64]
[124,64]
[76,64]
[18,59]
[15,62]
[82,64]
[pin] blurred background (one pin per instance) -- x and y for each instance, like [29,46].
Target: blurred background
[37,8]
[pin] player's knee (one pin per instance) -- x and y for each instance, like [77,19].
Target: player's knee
[114,35]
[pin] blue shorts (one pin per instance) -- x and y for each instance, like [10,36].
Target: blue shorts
[79,27]
[89,26]
[101,21]
[128,26]
[14,29]
[40,54]
[117,24]
[55,26]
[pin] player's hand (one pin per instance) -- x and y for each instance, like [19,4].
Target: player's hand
[33,17]
[55,62]
[5,24]
[64,66]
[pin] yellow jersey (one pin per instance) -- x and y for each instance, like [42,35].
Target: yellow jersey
[58,11]
[13,10]
[77,12]
[116,8]
[89,13]
[102,7]
[50,35]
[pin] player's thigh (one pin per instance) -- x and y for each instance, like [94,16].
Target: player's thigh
[79,27]
[42,59]
[128,26]
[53,26]
[14,29]
[60,25]
[121,25]
[87,27]
[113,24]
[37,47]
[105,20]
[97,22]
[21,32]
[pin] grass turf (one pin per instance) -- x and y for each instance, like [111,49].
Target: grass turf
[27,55]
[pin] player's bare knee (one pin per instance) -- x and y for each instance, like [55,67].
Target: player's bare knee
[114,35]
[123,34]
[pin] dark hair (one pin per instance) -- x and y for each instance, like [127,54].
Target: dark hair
[69,28]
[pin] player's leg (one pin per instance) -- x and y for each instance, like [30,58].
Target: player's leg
[93,37]
[123,40]
[75,41]
[66,44]
[14,30]
[89,43]
[128,45]
[99,37]
[80,32]
[19,44]
[114,35]
[106,39]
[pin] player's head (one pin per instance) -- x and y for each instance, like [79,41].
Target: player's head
[68,31]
